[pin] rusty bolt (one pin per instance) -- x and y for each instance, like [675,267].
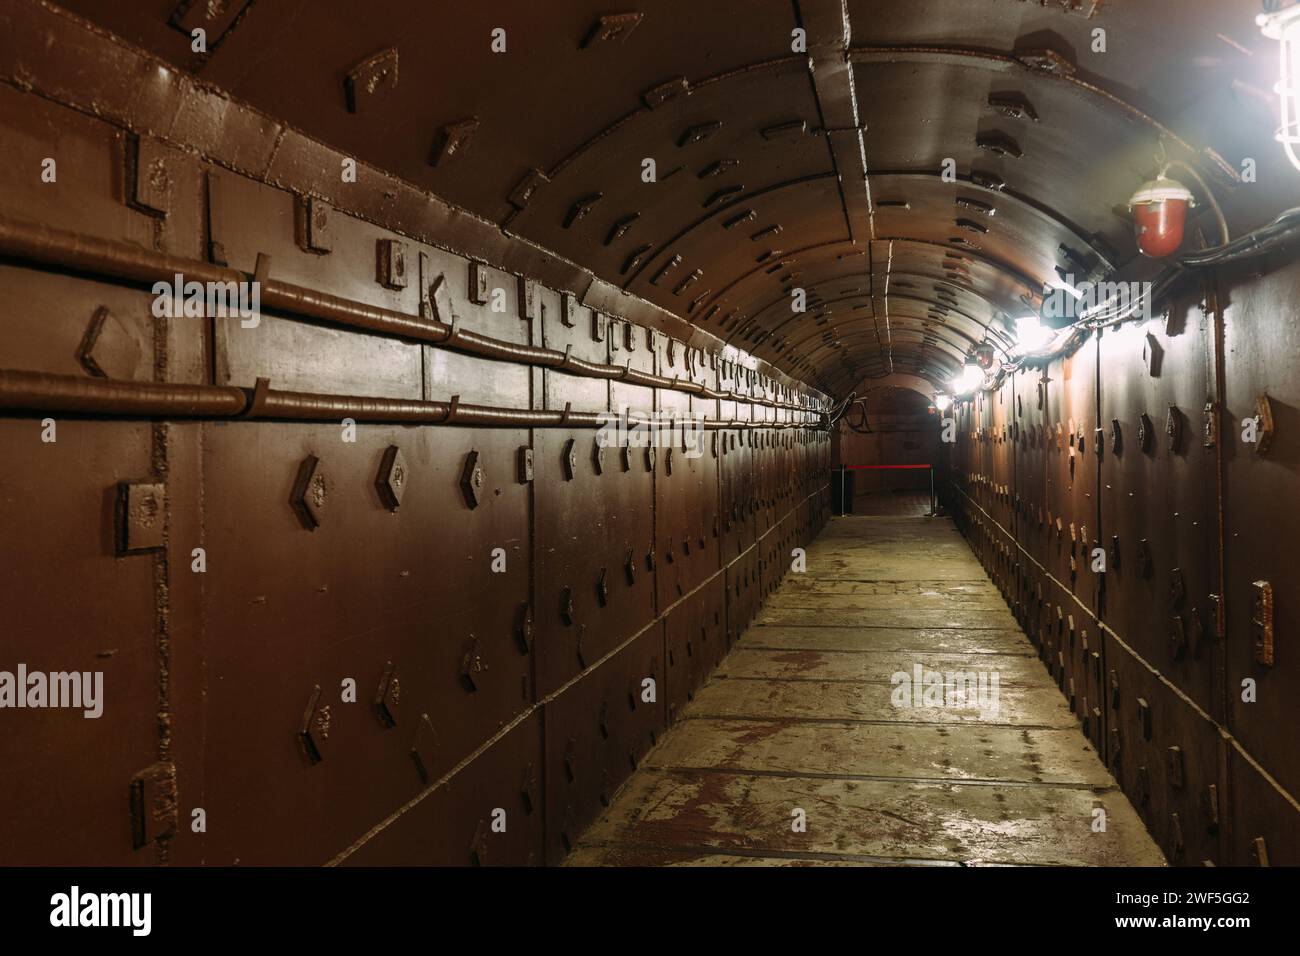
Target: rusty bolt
[478,852]
[598,458]
[1175,759]
[391,481]
[627,457]
[1176,835]
[1210,808]
[1177,637]
[471,479]
[314,730]
[569,460]
[392,264]
[1143,786]
[1144,557]
[566,605]
[388,696]
[629,565]
[568,826]
[668,461]
[525,465]
[310,492]
[602,589]
[1259,851]
[141,515]
[472,665]
[650,458]
[580,646]
[478,283]
[317,234]
[524,628]
[423,748]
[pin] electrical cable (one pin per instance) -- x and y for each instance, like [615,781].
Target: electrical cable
[1209,194]
[864,428]
[1265,239]
[838,413]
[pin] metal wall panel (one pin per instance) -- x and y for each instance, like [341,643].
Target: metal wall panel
[1159,500]
[596,734]
[63,771]
[399,628]
[1163,665]
[1261,486]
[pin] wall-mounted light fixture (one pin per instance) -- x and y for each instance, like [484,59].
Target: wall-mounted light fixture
[942,401]
[1159,215]
[1284,26]
[1032,334]
[968,379]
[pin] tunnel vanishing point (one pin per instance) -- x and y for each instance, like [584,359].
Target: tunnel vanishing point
[717,433]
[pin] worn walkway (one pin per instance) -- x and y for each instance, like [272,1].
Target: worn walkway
[798,724]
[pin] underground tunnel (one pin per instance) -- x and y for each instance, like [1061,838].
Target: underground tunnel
[769,434]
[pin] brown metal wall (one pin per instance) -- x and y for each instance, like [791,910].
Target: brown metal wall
[477,689]
[903,431]
[1134,444]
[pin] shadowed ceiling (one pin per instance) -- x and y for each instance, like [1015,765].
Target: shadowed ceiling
[776,169]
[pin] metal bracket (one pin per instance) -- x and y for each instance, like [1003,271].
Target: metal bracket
[1261,621]
[1264,427]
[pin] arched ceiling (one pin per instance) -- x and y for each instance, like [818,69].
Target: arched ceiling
[818,168]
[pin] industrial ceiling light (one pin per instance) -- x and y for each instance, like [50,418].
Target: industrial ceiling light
[1284,26]
[1159,215]
[983,355]
[968,379]
[1031,334]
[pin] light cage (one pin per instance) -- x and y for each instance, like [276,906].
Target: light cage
[1284,26]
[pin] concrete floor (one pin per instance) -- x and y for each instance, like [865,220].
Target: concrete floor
[799,717]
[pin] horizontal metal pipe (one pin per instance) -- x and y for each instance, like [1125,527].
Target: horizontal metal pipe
[38,391]
[42,392]
[64,249]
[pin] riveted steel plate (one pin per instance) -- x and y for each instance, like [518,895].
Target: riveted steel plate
[596,734]
[1260,488]
[1167,497]
[317,626]
[592,524]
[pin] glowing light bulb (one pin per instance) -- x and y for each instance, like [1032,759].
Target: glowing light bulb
[1031,334]
[968,379]
[942,401]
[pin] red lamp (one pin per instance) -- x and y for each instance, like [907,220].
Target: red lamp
[1159,214]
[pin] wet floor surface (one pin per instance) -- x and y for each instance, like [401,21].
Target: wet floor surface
[807,748]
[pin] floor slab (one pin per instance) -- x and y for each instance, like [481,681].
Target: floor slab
[884,709]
